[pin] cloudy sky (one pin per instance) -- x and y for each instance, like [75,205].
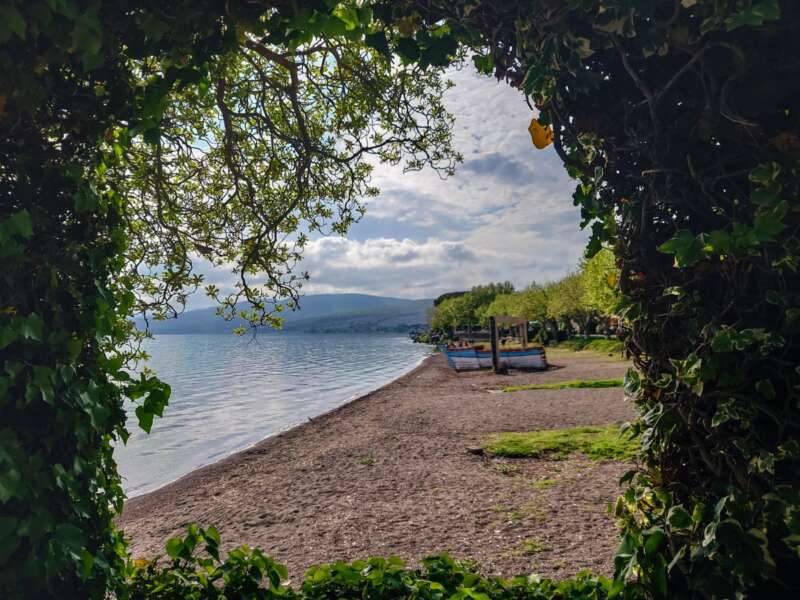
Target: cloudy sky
[507,213]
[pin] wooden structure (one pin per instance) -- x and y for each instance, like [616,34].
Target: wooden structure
[494,321]
[472,357]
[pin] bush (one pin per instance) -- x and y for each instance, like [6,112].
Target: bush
[246,573]
[611,346]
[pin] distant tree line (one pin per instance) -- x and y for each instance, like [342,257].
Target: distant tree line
[577,302]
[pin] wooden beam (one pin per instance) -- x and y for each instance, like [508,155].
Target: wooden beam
[495,349]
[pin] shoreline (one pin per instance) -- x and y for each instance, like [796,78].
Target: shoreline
[282,431]
[388,473]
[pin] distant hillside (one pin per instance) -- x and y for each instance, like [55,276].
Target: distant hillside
[320,313]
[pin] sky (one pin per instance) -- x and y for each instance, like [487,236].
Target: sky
[506,214]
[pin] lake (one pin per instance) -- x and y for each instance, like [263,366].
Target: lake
[229,392]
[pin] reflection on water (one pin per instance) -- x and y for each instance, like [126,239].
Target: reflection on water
[229,392]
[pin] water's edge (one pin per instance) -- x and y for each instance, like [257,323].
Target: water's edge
[282,431]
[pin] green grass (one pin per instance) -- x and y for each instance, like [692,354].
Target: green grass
[531,546]
[541,484]
[594,344]
[598,443]
[573,383]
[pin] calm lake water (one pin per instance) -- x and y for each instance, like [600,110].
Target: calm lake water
[229,392]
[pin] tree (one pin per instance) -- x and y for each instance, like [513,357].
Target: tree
[137,137]
[600,282]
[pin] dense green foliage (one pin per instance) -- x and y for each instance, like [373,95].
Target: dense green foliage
[678,118]
[563,385]
[598,443]
[574,300]
[246,573]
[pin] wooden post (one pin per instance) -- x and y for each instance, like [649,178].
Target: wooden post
[495,348]
[524,335]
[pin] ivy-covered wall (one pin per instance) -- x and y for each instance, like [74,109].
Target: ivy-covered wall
[678,118]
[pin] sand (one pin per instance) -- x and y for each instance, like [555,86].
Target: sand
[390,474]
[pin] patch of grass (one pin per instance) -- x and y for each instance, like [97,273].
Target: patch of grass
[367,460]
[594,344]
[530,546]
[530,512]
[506,468]
[527,547]
[573,383]
[541,484]
[598,443]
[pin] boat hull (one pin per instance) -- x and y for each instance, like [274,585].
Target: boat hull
[469,359]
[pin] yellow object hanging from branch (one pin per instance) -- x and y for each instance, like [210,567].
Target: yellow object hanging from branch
[541,135]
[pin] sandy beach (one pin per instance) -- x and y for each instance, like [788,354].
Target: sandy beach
[390,474]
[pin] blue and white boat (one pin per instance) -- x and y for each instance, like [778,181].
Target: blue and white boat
[471,359]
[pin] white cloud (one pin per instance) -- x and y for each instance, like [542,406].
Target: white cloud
[507,214]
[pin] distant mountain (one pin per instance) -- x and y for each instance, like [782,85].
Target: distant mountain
[319,313]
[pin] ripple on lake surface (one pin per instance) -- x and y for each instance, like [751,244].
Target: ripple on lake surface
[229,392]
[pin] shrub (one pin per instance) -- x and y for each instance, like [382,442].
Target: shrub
[598,443]
[246,573]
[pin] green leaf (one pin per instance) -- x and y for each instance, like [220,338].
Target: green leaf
[765,173]
[145,418]
[718,242]
[9,537]
[484,64]
[768,195]
[768,224]
[632,382]
[70,536]
[679,518]
[11,21]
[31,327]
[87,563]
[408,49]
[439,51]
[348,15]
[20,224]
[768,10]
[378,41]
[653,541]
[174,547]
[722,341]
[687,248]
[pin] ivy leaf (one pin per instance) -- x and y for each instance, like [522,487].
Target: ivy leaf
[174,547]
[20,224]
[378,41]
[768,224]
[722,341]
[408,49]
[32,327]
[765,173]
[70,536]
[633,382]
[687,248]
[438,51]
[11,21]
[484,64]
[718,242]
[679,518]
[768,195]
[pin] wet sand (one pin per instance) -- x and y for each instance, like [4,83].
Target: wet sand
[390,474]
